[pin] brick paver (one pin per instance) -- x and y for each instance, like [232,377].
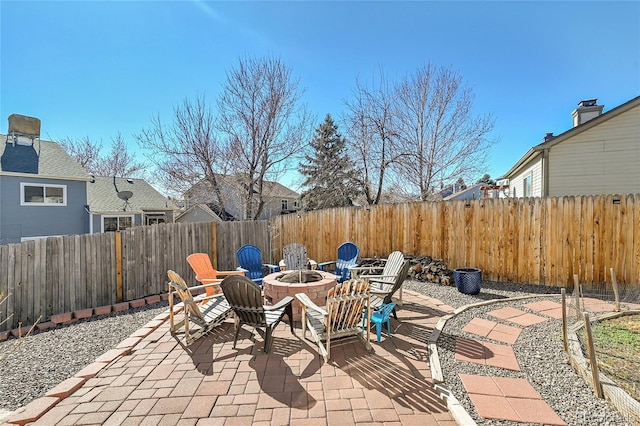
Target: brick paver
[517,316]
[158,380]
[486,353]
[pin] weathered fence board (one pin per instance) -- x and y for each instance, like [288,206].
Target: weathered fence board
[539,241]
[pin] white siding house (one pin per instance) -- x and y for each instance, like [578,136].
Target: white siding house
[599,155]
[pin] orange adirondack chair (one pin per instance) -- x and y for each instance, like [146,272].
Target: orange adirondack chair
[206,274]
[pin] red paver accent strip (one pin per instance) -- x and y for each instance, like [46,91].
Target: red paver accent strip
[67,387]
[43,326]
[138,303]
[33,410]
[112,355]
[129,343]
[61,318]
[102,310]
[83,313]
[21,331]
[152,299]
[119,307]
[91,370]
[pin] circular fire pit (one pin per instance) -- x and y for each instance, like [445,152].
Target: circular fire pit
[319,283]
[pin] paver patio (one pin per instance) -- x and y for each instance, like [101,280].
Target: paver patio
[160,381]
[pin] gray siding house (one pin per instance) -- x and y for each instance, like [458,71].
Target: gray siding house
[43,191]
[118,203]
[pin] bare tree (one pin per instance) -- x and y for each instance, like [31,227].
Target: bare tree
[264,124]
[84,151]
[369,122]
[118,162]
[442,140]
[188,153]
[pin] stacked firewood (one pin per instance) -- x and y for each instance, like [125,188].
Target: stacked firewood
[423,268]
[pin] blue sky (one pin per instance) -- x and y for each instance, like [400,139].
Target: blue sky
[96,68]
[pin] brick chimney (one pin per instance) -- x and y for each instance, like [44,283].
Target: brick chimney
[586,110]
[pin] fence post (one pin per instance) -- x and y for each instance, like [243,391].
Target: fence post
[614,283]
[577,293]
[118,267]
[564,320]
[595,374]
[214,244]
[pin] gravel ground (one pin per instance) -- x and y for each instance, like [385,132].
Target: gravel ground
[45,359]
[538,349]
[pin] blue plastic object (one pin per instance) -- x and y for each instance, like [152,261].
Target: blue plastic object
[250,259]
[347,258]
[379,317]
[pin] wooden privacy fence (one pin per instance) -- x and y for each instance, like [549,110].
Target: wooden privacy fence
[63,274]
[528,240]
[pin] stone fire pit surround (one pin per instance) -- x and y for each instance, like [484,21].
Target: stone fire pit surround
[275,290]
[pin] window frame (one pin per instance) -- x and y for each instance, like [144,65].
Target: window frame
[44,186]
[284,204]
[527,185]
[109,216]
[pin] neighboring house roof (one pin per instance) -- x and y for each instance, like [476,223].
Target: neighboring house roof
[271,189]
[45,159]
[103,196]
[201,212]
[276,189]
[472,192]
[533,152]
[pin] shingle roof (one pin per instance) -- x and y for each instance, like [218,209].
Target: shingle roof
[46,159]
[103,196]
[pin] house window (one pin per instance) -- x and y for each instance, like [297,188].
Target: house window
[154,219]
[285,204]
[296,204]
[526,186]
[116,223]
[42,195]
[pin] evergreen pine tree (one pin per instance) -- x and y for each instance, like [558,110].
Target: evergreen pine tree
[328,171]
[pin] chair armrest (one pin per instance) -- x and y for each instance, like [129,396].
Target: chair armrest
[241,269]
[306,302]
[281,304]
[272,268]
[365,268]
[379,277]
[323,265]
[230,273]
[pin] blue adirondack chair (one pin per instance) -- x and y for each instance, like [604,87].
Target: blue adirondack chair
[250,260]
[347,258]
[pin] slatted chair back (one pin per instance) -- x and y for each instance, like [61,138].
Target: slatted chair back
[347,258]
[245,298]
[250,258]
[201,265]
[295,256]
[400,278]
[345,304]
[206,312]
[177,284]
[392,266]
